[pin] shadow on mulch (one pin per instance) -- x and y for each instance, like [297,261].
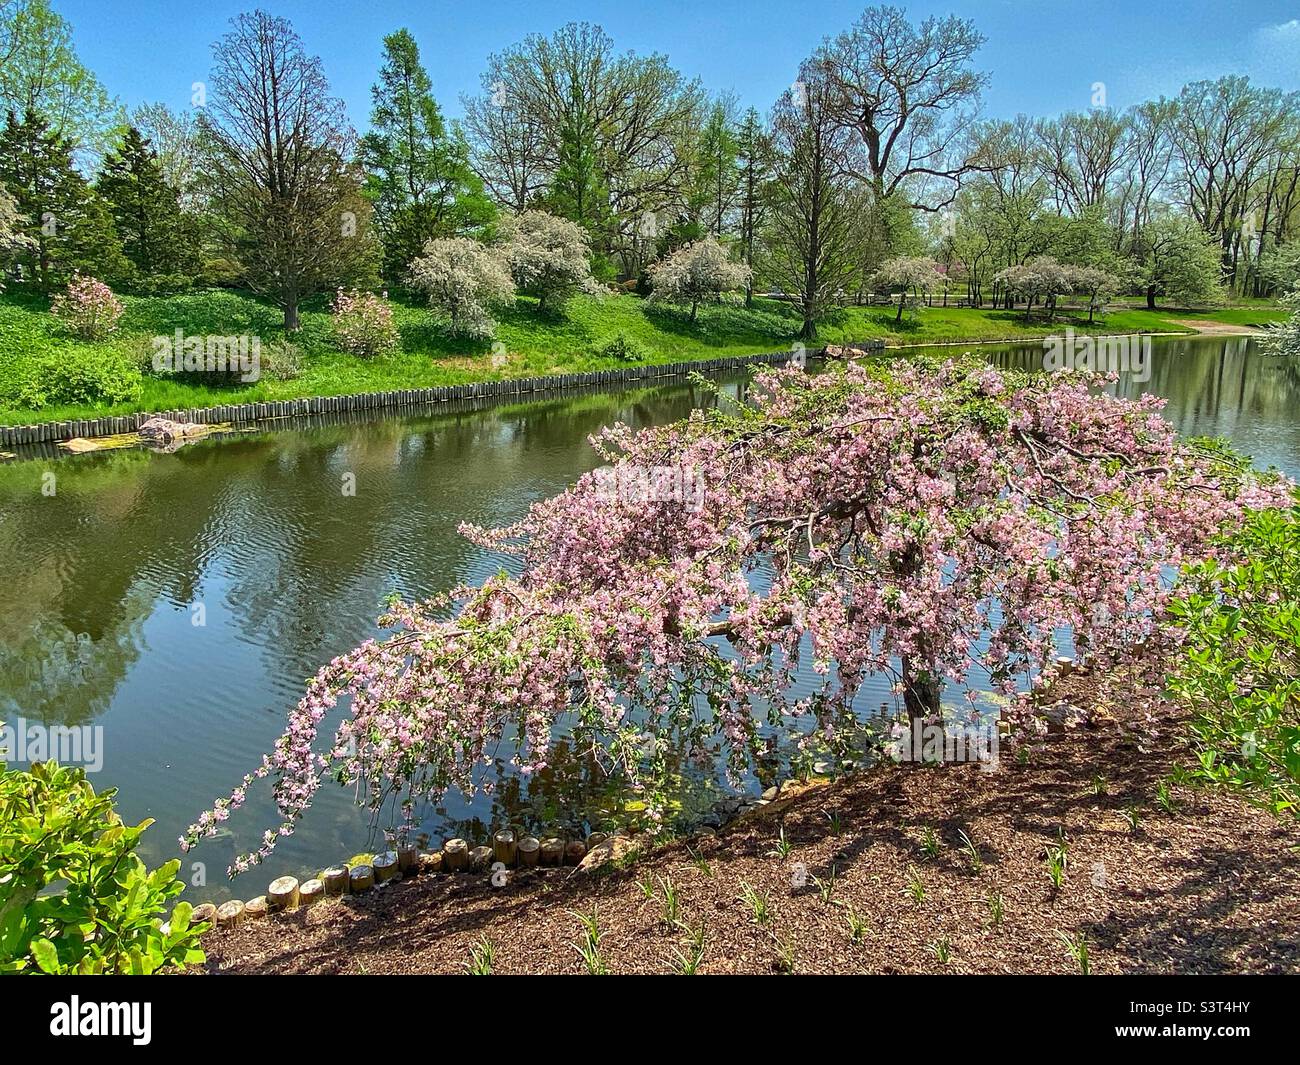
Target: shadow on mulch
[1209,886]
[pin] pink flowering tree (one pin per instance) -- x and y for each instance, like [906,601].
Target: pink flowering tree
[363,324]
[931,523]
[88,308]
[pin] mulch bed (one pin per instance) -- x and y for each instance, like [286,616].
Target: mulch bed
[1211,886]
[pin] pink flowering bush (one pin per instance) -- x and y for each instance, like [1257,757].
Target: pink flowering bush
[933,523]
[363,324]
[88,308]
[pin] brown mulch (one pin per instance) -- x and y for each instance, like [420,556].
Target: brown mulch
[1213,886]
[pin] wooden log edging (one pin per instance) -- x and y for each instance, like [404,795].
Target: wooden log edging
[276,410]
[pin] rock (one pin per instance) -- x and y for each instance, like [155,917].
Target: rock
[614,849]
[164,431]
[768,795]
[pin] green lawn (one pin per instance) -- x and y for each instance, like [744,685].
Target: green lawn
[533,345]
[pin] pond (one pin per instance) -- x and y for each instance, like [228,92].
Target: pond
[178,601]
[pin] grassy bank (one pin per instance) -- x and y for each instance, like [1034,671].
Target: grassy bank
[531,345]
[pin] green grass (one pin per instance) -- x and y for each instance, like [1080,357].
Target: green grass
[533,345]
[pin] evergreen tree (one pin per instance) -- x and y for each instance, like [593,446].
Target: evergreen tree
[419,177]
[754,161]
[69,227]
[157,238]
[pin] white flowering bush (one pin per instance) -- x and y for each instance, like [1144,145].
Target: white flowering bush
[88,308]
[550,258]
[464,280]
[697,273]
[363,324]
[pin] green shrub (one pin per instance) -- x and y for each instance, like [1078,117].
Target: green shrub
[1240,669]
[282,360]
[623,349]
[74,897]
[82,374]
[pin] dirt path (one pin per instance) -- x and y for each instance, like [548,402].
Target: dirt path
[1208,885]
[1221,329]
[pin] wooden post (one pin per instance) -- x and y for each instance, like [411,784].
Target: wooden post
[574,851]
[257,907]
[311,893]
[204,911]
[230,914]
[529,850]
[385,866]
[552,850]
[283,893]
[360,879]
[455,855]
[408,861]
[431,862]
[335,879]
[479,858]
[504,847]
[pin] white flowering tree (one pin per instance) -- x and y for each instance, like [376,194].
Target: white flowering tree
[1283,338]
[464,280]
[1095,285]
[550,258]
[911,275]
[12,238]
[1042,279]
[696,273]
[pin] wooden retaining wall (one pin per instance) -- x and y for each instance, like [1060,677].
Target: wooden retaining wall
[52,432]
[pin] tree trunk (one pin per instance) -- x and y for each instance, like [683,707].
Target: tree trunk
[1151,297]
[291,322]
[899,316]
[921,691]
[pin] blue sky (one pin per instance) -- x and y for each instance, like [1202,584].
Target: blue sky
[1043,55]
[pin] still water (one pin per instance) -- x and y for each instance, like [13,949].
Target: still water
[179,600]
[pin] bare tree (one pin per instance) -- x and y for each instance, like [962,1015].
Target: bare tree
[283,190]
[909,93]
[812,235]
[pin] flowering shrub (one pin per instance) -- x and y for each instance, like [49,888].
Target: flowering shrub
[88,308]
[926,522]
[698,273]
[463,280]
[363,324]
[550,257]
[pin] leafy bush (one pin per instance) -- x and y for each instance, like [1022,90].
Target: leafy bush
[282,360]
[88,308]
[363,324]
[623,349]
[55,832]
[81,375]
[1240,674]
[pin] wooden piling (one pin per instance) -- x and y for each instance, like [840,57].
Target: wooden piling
[385,866]
[574,851]
[529,850]
[230,914]
[335,879]
[479,858]
[204,911]
[257,908]
[504,847]
[552,851]
[283,894]
[311,892]
[360,879]
[455,855]
[408,861]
